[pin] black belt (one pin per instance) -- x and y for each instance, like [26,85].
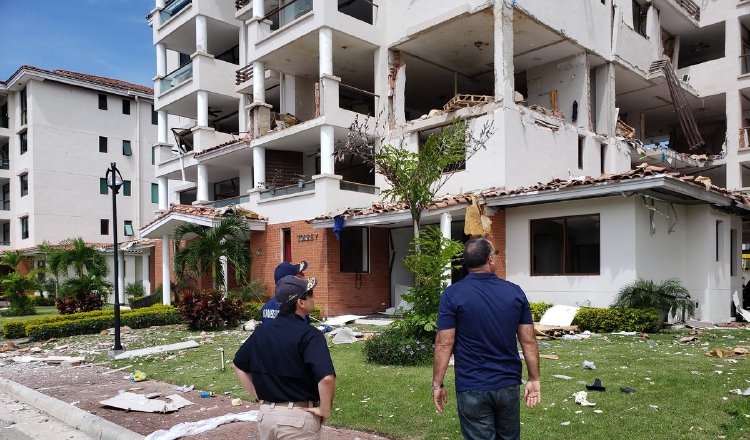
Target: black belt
[299,404]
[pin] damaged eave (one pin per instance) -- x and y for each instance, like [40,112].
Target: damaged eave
[170,222]
[611,188]
[387,218]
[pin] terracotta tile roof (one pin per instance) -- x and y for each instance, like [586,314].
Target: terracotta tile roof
[93,79]
[556,184]
[220,146]
[208,212]
[31,249]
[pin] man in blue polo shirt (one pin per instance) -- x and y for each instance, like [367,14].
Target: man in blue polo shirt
[479,320]
[286,364]
[270,309]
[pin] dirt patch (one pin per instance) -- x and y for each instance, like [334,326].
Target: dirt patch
[85,386]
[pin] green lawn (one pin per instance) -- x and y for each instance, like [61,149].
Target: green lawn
[40,311]
[679,393]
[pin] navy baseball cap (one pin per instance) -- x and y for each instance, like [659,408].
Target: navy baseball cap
[287,268]
[290,288]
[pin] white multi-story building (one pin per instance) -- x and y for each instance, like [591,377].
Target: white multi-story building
[59,133]
[571,89]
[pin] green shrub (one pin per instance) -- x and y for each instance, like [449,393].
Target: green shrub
[538,309]
[618,319]
[254,291]
[251,310]
[17,329]
[146,317]
[668,297]
[315,314]
[135,290]
[81,302]
[14,329]
[209,309]
[40,301]
[394,348]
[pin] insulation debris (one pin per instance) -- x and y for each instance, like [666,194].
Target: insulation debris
[625,130]
[194,428]
[547,112]
[462,101]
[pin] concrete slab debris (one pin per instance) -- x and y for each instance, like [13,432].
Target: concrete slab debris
[158,349]
[559,315]
[52,360]
[141,402]
[341,320]
[201,426]
[344,336]
[379,322]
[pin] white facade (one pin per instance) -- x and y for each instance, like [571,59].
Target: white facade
[62,144]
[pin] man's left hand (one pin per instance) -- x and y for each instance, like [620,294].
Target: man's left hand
[441,398]
[317,412]
[532,394]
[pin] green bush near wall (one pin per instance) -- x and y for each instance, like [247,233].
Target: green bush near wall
[618,319]
[538,309]
[252,310]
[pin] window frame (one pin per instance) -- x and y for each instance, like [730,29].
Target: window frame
[24,106]
[104,226]
[127,148]
[103,144]
[564,272]
[23,142]
[23,182]
[128,224]
[366,247]
[103,187]
[125,106]
[154,193]
[127,188]
[154,116]
[24,227]
[102,97]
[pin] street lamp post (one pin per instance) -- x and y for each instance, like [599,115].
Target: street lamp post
[114,182]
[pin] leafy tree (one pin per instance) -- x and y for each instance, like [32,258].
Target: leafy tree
[201,256]
[75,253]
[12,259]
[666,296]
[18,286]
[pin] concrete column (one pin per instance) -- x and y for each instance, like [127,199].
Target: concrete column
[259,166]
[445,230]
[242,115]
[201,34]
[146,274]
[380,80]
[734,123]
[202,108]
[161,59]
[243,44]
[163,194]
[202,182]
[166,288]
[225,270]
[326,149]
[325,47]
[259,82]
[604,102]
[396,89]
[653,32]
[503,48]
[163,127]
[288,94]
[259,9]
[121,278]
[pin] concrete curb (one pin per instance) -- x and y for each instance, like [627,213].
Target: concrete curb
[84,421]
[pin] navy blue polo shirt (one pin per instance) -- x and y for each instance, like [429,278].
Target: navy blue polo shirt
[287,358]
[270,310]
[485,311]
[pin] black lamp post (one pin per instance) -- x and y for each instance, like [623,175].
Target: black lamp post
[114,182]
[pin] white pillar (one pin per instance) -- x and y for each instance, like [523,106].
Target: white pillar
[225,269]
[163,194]
[202,108]
[201,34]
[166,288]
[163,126]
[259,9]
[202,182]
[325,43]
[161,59]
[445,230]
[121,278]
[242,115]
[160,4]
[259,82]
[288,94]
[259,166]
[146,274]
[326,149]
[503,56]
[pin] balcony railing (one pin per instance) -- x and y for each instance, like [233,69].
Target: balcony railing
[172,9]
[286,190]
[364,10]
[356,100]
[4,164]
[176,78]
[230,201]
[358,187]
[5,205]
[691,8]
[243,74]
[284,15]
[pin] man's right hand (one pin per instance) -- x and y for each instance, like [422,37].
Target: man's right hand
[532,394]
[441,398]
[317,412]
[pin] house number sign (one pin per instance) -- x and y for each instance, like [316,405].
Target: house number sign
[307,237]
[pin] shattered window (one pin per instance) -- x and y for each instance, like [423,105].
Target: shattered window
[565,246]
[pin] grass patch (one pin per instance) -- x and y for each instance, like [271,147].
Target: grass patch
[40,311]
[679,393]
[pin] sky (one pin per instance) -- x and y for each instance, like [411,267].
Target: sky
[108,38]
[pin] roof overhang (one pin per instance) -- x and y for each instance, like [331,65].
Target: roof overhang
[392,220]
[20,77]
[170,222]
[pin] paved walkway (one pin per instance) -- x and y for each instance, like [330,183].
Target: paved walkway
[19,421]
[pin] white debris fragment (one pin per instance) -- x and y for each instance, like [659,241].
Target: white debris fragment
[581,398]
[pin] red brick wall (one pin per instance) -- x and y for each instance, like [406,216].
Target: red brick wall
[158,264]
[337,292]
[497,236]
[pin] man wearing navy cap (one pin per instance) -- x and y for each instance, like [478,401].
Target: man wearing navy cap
[286,364]
[270,309]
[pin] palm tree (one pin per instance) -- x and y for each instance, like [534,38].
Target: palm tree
[12,259]
[17,287]
[201,256]
[76,254]
[666,296]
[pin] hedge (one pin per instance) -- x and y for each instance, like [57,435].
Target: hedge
[618,319]
[252,310]
[19,329]
[145,317]
[538,309]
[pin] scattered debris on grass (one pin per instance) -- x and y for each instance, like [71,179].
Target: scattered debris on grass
[158,349]
[193,428]
[589,365]
[581,398]
[140,402]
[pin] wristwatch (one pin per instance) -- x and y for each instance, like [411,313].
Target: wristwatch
[437,387]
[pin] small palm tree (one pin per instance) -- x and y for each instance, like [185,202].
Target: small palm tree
[201,256]
[17,287]
[666,296]
[12,259]
[76,254]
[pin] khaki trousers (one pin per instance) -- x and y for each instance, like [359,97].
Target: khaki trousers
[283,422]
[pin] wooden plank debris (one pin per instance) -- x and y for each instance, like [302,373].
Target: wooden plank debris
[158,349]
[462,101]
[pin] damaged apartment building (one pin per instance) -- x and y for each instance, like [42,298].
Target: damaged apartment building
[616,126]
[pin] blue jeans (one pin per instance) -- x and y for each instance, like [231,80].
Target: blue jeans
[490,415]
